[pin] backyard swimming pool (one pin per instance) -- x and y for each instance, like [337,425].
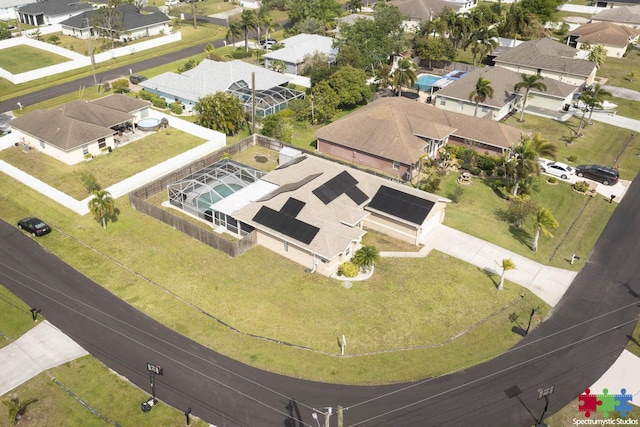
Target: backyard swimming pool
[425,81]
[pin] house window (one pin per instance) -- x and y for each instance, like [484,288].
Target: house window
[41,144]
[285,246]
[459,106]
[102,143]
[539,71]
[85,149]
[347,251]
[443,101]
[396,165]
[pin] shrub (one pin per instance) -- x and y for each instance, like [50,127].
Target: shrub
[519,209]
[348,269]
[486,163]
[176,108]
[552,179]
[581,186]
[190,64]
[572,159]
[120,86]
[239,53]
[155,99]
[89,181]
[106,86]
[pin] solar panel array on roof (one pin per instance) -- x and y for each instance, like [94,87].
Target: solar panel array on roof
[343,183]
[401,205]
[292,207]
[286,225]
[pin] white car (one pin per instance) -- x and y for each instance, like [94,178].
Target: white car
[558,169]
[172,2]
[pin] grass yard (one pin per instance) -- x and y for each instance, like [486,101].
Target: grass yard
[566,416]
[400,307]
[108,169]
[616,70]
[15,318]
[21,58]
[106,392]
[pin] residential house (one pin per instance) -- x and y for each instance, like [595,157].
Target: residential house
[613,37]
[80,129]
[8,8]
[550,59]
[612,4]
[455,96]
[624,15]
[135,25]
[209,77]
[392,135]
[297,48]
[51,12]
[421,10]
[315,212]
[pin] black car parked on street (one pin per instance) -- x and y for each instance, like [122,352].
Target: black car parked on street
[35,226]
[603,174]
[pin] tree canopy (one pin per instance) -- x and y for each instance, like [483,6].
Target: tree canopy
[350,84]
[220,111]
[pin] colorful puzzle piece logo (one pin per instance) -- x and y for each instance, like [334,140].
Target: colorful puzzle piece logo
[605,403]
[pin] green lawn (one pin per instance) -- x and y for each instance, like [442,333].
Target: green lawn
[109,394]
[615,70]
[21,58]
[123,162]
[15,318]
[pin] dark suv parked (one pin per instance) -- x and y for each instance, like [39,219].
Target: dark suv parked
[603,174]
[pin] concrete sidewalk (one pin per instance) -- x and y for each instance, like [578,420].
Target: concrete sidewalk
[41,348]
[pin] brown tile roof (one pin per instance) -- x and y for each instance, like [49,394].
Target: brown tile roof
[629,15]
[605,33]
[123,103]
[547,54]
[54,128]
[388,127]
[503,82]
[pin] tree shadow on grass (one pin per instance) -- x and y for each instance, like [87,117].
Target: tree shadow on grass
[491,274]
[521,235]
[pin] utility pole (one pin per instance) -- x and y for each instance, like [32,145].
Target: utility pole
[253,102]
[93,70]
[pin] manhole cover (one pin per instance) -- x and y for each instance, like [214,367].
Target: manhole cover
[347,285]
[261,159]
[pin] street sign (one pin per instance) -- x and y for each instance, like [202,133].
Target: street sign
[154,368]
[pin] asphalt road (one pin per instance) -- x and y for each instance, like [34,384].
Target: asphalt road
[586,332]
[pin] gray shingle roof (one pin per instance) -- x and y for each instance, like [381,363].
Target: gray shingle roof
[547,54]
[211,76]
[132,19]
[423,9]
[389,128]
[502,82]
[123,103]
[55,7]
[605,33]
[629,15]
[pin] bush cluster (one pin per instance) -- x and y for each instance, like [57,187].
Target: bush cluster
[176,108]
[156,100]
[581,186]
[348,269]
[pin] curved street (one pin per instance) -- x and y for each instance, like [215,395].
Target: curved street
[585,334]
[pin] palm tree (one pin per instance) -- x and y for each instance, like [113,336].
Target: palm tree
[234,30]
[404,75]
[481,92]
[268,22]
[354,6]
[248,21]
[596,98]
[543,222]
[278,66]
[518,20]
[312,25]
[525,155]
[208,50]
[528,83]
[366,256]
[102,206]
[506,265]
[17,408]
[482,41]
[585,98]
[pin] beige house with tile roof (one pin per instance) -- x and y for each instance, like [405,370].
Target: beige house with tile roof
[550,59]
[623,15]
[455,96]
[392,134]
[613,37]
[315,212]
[79,128]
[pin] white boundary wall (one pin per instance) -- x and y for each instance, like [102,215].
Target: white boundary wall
[77,60]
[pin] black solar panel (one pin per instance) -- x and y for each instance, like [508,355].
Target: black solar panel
[401,205]
[286,225]
[336,186]
[357,195]
[292,207]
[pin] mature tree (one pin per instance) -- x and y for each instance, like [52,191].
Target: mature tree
[102,206]
[383,75]
[517,20]
[323,101]
[506,265]
[404,74]
[278,126]
[354,6]
[209,50]
[17,407]
[598,54]
[435,49]
[482,91]
[529,82]
[220,111]
[108,22]
[519,209]
[311,25]
[321,73]
[482,41]
[312,61]
[350,55]
[543,222]
[525,155]
[544,9]
[234,30]
[350,84]
[248,22]
[323,10]
[366,256]
[596,98]
[5,33]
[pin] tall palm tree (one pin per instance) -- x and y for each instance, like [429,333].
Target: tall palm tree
[404,75]
[234,30]
[525,155]
[528,83]
[544,222]
[102,206]
[17,407]
[482,41]
[482,91]
[366,256]
[585,98]
[518,20]
[248,22]
[506,265]
[596,98]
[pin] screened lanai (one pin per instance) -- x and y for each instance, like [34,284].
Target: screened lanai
[268,101]
[197,192]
